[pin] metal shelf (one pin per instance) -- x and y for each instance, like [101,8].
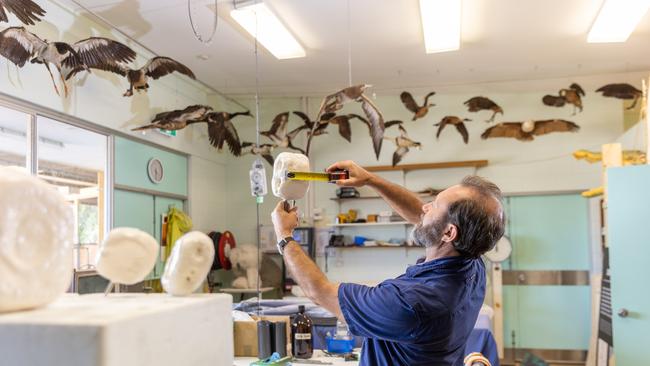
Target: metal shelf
[375,247]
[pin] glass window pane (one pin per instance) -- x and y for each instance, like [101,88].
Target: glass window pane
[74,160]
[13,137]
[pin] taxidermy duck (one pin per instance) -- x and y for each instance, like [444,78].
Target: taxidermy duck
[411,105]
[280,135]
[456,122]
[335,102]
[177,119]
[403,143]
[221,129]
[621,91]
[525,131]
[263,150]
[630,157]
[343,121]
[155,68]
[27,11]
[19,46]
[572,95]
[476,104]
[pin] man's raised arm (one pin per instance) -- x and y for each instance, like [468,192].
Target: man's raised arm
[405,202]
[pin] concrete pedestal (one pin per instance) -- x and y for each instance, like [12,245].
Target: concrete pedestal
[121,330]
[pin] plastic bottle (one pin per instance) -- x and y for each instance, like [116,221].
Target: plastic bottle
[301,340]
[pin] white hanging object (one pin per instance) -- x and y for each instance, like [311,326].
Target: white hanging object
[189,264]
[127,255]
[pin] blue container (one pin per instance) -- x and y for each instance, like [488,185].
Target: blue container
[359,240]
[340,346]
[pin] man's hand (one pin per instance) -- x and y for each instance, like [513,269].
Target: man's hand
[358,176]
[284,222]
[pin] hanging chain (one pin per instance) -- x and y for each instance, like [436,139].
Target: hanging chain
[194,28]
[349,48]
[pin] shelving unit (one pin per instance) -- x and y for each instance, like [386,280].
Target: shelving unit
[394,223]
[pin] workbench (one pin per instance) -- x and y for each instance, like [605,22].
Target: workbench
[318,356]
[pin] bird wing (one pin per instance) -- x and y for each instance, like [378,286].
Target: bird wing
[293,133]
[116,68]
[426,99]
[553,100]
[402,131]
[392,123]
[554,125]
[441,126]
[305,118]
[246,144]
[269,159]
[398,154]
[463,131]
[376,121]
[505,129]
[160,66]
[224,131]
[232,138]
[96,51]
[622,91]
[26,11]
[577,88]
[344,126]
[409,102]
[476,104]
[278,122]
[18,45]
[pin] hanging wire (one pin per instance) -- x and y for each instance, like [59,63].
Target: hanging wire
[349,47]
[257,139]
[194,28]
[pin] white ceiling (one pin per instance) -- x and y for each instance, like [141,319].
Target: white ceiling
[502,40]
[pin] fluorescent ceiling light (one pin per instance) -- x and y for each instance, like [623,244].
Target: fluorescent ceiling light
[616,20]
[260,22]
[441,24]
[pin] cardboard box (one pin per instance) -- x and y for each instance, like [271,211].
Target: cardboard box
[245,335]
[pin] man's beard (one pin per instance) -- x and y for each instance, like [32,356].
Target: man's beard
[428,235]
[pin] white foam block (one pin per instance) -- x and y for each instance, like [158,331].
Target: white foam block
[127,255]
[283,187]
[121,330]
[188,265]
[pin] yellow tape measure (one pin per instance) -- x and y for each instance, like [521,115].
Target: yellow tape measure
[319,177]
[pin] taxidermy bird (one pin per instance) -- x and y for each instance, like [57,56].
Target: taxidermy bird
[525,131]
[335,102]
[621,91]
[263,150]
[321,126]
[19,46]
[411,105]
[343,121]
[279,135]
[476,104]
[221,129]
[155,68]
[403,143]
[573,95]
[457,122]
[27,11]
[177,119]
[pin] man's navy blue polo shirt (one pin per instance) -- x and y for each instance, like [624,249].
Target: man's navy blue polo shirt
[422,317]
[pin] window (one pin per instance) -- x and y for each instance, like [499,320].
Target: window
[13,137]
[74,160]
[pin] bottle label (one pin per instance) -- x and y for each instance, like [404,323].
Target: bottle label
[303,336]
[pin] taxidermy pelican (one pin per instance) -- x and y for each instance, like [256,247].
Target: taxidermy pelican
[19,46]
[621,91]
[155,68]
[263,150]
[411,105]
[221,129]
[26,11]
[525,131]
[280,135]
[457,122]
[177,119]
[476,104]
[403,143]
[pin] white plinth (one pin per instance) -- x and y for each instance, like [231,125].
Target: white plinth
[121,330]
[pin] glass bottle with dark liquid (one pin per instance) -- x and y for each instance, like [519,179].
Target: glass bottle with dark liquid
[301,335]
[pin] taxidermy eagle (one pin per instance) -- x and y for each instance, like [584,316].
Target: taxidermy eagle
[27,11]
[155,68]
[19,46]
[476,104]
[411,105]
[572,95]
[525,131]
[621,91]
[335,102]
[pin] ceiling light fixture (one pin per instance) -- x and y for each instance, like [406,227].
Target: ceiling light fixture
[271,33]
[617,20]
[441,24]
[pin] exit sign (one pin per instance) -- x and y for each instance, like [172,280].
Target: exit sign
[167,132]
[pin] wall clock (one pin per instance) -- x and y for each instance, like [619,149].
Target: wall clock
[155,170]
[501,250]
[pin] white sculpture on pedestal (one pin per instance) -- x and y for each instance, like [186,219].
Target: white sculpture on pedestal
[127,255]
[188,265]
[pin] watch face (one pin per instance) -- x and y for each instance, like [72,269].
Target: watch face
[155,170]
[501,251]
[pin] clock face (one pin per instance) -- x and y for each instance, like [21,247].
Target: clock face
[501,251]
[155,170]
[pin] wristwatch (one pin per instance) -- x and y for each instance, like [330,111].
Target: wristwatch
[283,243]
